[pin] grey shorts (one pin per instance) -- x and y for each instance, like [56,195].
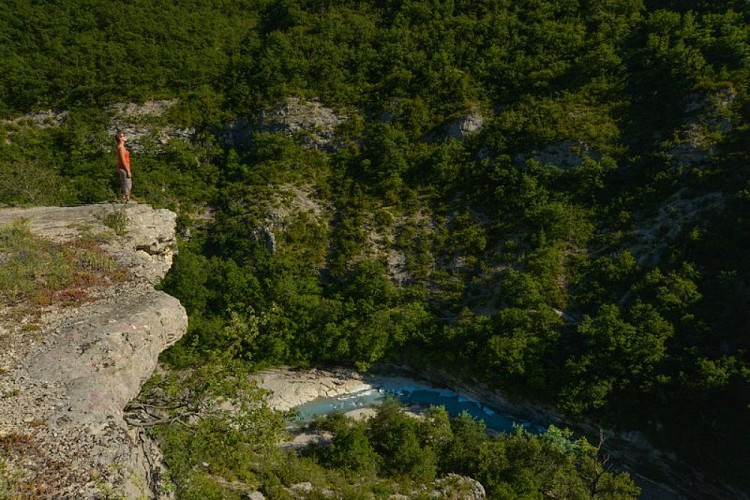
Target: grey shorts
[125,181]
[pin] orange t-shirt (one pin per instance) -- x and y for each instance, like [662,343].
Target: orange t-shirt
[126,155]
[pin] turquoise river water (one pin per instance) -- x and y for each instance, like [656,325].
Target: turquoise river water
[418,397]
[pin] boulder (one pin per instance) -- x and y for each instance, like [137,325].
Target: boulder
[458,129]
[459,487]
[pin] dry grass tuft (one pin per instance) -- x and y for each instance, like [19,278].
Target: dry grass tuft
[17,484]
[38,273]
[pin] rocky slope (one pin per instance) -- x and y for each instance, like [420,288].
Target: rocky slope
[66,375]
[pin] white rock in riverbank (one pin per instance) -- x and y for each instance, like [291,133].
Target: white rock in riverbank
[290,388]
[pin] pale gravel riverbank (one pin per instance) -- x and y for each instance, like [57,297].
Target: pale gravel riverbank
[291,387]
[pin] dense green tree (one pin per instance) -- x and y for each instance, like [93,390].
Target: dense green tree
[620,355]
[394,436]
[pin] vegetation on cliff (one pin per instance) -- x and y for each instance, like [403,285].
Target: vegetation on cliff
[582,245]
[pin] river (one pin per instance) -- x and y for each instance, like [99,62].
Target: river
[314,392]
[417,396]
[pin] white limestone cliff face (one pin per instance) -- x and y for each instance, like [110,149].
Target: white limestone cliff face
[65,383]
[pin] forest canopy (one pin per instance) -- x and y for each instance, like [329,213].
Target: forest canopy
[548,197]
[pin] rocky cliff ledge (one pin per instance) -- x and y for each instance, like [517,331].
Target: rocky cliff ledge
[67,373]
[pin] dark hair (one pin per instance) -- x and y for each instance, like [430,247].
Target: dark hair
[118,134]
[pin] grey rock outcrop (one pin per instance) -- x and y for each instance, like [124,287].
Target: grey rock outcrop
[288,204]
[266,236]
[677,214]
[452,486]
[67,382]
[42,119]
[308,121]
[144,124]
[564,154]
[296,116]
[456,486]
[709,115]
[236,134]
[458,129]
[145,247]
[140,123]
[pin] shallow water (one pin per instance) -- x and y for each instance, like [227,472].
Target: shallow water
[417,396]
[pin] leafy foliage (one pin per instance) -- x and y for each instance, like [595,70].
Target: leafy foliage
[507,465]
[585,247]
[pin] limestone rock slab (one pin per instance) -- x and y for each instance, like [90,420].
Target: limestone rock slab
[65,384]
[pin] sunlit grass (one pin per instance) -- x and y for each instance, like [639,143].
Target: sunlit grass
[36,272]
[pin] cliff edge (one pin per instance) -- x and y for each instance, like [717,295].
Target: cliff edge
[71,362]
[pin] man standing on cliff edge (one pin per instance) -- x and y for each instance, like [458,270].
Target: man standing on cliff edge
[123,166]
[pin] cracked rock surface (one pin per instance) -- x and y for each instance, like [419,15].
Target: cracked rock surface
[63,384]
